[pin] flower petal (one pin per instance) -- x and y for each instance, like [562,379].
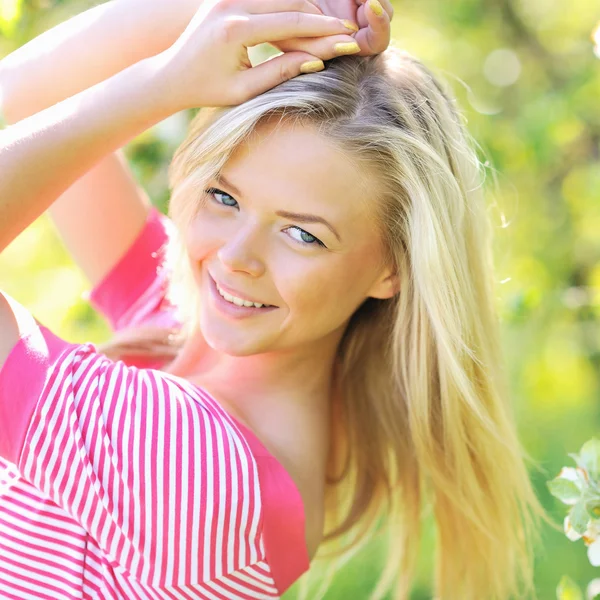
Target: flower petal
[569,473]
[569,531]
[594,553]
[593,589]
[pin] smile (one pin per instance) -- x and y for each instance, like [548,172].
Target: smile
[239,301]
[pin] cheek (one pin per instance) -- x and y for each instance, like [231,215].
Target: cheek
[201,238]
[323,297]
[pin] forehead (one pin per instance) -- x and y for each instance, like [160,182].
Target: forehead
[294,165]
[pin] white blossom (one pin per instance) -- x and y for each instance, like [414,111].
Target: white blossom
[593,589]
[569,531]
[575,474]
[594,553]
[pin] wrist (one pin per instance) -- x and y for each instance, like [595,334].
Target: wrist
[142,95]
[164,78]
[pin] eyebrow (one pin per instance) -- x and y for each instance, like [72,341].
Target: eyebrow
[300,217]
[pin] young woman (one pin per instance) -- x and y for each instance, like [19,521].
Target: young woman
[307,346]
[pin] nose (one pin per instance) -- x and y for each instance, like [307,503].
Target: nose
[241,252]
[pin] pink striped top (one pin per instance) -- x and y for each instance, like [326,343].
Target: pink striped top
[121,482]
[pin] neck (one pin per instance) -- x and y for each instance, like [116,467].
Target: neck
[278,395]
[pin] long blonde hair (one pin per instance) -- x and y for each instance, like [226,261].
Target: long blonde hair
[424,418]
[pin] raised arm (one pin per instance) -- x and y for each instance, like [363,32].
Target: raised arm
[101,214]
[44,154]
[86,49]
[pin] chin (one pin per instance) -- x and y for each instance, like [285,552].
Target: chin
[233,343]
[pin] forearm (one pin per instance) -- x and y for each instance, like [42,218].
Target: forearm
[87,49]
[42,155]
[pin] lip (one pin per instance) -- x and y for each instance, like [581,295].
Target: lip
[230,309]
[236,293]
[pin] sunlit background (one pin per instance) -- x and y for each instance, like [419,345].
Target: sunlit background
[528,78]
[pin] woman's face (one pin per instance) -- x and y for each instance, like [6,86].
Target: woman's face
[289,225]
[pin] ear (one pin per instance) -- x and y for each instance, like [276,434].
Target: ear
[386,286]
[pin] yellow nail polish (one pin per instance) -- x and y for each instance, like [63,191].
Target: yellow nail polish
[350,25]
[312,66]
[346,48]
[376,7]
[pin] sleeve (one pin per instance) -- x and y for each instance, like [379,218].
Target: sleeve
[134,292]
[156,479]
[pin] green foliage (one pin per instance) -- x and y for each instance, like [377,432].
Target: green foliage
[589,458]
[528,81]
[564,490]
[579,517]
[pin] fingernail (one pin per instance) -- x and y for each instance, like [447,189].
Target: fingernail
[376,7]
[350,25]
[312,66]
[346,48]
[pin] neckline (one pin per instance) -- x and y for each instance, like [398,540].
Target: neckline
[298,545]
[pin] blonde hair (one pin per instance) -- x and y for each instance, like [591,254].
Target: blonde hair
[424,418]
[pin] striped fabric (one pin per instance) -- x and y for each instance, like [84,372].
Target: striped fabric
[119,482]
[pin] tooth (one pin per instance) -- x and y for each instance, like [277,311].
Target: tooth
[238,301]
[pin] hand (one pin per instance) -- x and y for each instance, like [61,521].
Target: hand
[209,66]
[373,36]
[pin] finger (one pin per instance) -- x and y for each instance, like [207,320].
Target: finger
[386,4]
[325,48]
[274,71]
[274,27]
[374,38]
[257,7]
[363,9]
[315,2]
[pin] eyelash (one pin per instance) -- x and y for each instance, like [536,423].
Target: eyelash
[212,191]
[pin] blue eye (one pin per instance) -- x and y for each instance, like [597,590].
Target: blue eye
[304,237]
[229,201]
[301,236]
